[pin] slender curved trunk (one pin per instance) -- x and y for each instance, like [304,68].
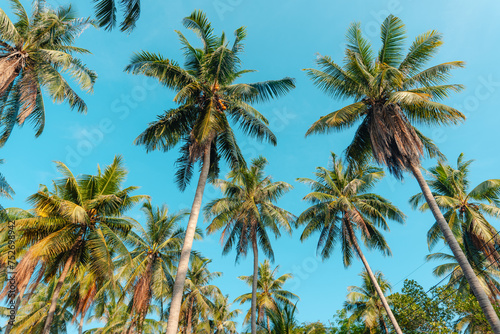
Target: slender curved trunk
[189,325]
[80,325]
[253,310]
[384,325]
[55,295]
[374,280]
[469,274]
[182,268]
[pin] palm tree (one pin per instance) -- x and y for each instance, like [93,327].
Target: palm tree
[105,11]
[78,224]
[207,98]
[283,319]
[392,93]
[487,274]
[269,291]
[34,53]
[364,302]
[246,213]
[222,316]
[32,316]
[465,210]
[5,190]
[199,293]
[153,250]
[341,203]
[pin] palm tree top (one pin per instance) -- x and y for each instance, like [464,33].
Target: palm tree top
[209,99]
[35,51]
[248,209]
[340,197]
[392,93]
[105,12]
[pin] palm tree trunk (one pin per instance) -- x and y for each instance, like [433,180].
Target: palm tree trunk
[189,317]
[55,295]
[182,268]
[374,280]
[80,325]
[478,291]
[253,311]
[383,325]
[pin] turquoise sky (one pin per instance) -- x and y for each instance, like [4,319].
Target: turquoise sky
[283,38]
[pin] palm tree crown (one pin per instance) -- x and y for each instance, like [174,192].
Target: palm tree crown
[364,303]
[392,92]
[247,211]
[466,210]
[341,201]
[208,97]
[269,290]
[34,52]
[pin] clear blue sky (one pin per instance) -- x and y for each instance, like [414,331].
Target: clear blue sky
[283,38]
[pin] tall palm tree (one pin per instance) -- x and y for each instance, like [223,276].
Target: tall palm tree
[342,204]
[465,210]
[78,224]
[392,92]
[199,294]
[365,304]
[154,250]
[269,290]
[34,53]
[245,215]
[208,97]
[105,11]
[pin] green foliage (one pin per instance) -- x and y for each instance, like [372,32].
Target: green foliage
[390,94]
[35,53]
[209,100]
[417,312]
[343,324]
[342,202]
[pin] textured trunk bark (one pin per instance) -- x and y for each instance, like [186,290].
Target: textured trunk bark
[80,325]
[189,318]
[478,291]
[253,320]
[374,280]
[55,295]
[182,268]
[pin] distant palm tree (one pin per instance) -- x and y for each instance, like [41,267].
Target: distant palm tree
[365,304]
[465,210]
[199,293]
[392,93]
[32,316]
[208,97]
[105,11]
[246,213]
[78,224]
[222,318]
[5,190]
[34,52]
[269,291]
[283,319]
[154,249]
[341,203]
